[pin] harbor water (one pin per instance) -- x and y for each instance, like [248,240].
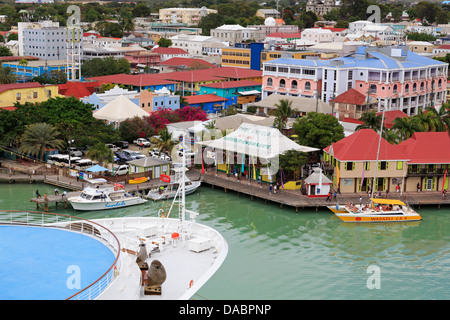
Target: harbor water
[278,254]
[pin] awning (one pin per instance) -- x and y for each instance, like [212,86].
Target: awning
[388,201]
[256,141]
[97,168]
[249,93]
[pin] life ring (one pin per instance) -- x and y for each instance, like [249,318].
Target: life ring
[165,178]
[116,188]
[191,283]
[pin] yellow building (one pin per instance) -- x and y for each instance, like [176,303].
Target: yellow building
[26,92]
[241,57]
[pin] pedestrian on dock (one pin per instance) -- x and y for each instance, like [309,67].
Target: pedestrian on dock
[329,196]
[37,194]
[275,188]
[270,189]
[418,187]
[397,188]
[56,191]
[64,194]
[360,201]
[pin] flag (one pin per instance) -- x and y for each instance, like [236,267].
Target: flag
[203,167]
[243,162]
[337,176]
[362,179]
[254,168]
[443,183]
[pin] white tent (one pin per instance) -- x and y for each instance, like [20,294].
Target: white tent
[256,141]
[120,109]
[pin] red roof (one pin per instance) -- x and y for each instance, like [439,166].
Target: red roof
[17,58]
[77,89]
[210,74]
[163,50]
[331,29]
[232,84]
[23,85]
[444,46]
[188,62]
[204,98]
[351,96]
[390,116]
[284,35]
[363,146]
[427,147]
[138,80]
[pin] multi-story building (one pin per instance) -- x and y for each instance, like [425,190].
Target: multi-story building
[193,44]
[321,7]
[234,33]
[254,55]
[36,68]
[45,40]
[32,92]
[190,16]
[399,79]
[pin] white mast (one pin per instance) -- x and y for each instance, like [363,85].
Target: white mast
[378,154]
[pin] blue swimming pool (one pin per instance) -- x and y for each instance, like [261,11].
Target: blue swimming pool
[48,264]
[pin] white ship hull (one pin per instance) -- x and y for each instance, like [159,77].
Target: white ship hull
[83,205]
[171,194]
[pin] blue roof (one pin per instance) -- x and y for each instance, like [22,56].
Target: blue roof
[301,62]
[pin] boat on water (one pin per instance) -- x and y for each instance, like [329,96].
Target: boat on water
[100,195]
[380,210]
[169,191]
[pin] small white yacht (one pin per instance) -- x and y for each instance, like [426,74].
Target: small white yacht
[170,191]
[99,195]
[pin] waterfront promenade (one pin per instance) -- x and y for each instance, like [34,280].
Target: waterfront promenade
[254,191]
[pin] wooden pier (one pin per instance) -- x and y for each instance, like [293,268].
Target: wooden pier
[296,200]
[60,199]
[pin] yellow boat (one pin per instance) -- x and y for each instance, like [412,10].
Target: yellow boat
[137,180]
[381,210]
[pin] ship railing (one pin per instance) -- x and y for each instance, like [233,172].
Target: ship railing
[74,224]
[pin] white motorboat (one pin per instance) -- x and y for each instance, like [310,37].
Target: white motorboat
[169,191]
[99,195]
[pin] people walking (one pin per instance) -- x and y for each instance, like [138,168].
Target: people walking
[37,194]
[270,189]
[329,196]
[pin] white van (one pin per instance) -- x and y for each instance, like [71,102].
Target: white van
[60,160]
[73,160]
[83,164]
[53,158]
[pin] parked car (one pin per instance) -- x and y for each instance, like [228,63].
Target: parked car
[165,157]
[75,152]
[120,170]
[123,156]
[113,147]
[142,142]
[122,144]
[129,155]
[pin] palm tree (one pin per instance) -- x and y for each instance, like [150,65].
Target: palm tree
[101,153]
[38,138]
[282,113]
[442,116]
[406,127]
[371,121]
[23,63]
[165,142]
[426,120]
[7,75]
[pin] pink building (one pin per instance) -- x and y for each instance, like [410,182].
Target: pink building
[396,78]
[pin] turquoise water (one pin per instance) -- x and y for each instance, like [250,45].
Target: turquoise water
[279,254]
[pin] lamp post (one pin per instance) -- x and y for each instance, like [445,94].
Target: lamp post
[70,143]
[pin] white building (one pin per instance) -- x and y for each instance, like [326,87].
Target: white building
[357,26]
[234,33]
[193,44]
[383,33]
[190,16]
[318,35]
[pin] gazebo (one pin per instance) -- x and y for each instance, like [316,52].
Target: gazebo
[118,110]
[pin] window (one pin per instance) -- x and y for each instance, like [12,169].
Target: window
[383,165]
[269,68]
[309,72]
[283,69]
[294,84]
[35,95]
[399,165]
[367,165]
[282,83]
[269,82]
[349,166]
[18,96]
[350,74]
[307,86]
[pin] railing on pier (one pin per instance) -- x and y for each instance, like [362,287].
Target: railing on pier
[76,224]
